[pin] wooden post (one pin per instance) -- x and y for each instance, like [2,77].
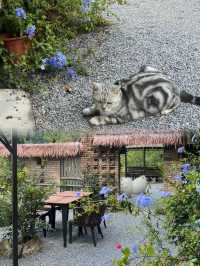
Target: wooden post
[119,170]
[125,162]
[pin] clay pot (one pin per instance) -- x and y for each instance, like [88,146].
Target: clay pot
[17,45]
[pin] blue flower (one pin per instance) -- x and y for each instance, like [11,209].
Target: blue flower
[104,191]
[122,197]
[165,194]
[71,72]
[86,5]
[20,12]
[143,201]
[59,60]
[185,168]
[198,189]
[30,31]
[77,194]
[134,248]
[181,150]
[178,178]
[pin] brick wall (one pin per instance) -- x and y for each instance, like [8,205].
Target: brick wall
[171,166]
[100,161]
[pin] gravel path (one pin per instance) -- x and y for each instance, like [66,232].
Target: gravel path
[122,228]
[164,34]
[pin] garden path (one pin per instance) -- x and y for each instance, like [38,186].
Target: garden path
[164,34]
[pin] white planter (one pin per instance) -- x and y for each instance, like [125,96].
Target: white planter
[126,185]
[139,185]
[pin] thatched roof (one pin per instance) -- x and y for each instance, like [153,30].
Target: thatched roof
[141,138]
[53,150]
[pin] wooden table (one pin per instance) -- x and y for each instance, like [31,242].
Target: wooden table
[62,200]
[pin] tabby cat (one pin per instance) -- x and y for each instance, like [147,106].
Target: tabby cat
[146,93]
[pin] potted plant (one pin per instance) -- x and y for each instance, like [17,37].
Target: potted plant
[16,30]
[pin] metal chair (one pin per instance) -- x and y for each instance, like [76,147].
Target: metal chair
[86,221]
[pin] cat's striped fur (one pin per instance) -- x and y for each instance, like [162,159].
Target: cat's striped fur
[146,93]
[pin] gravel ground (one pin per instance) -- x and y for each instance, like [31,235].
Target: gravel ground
[164,34]
[121,228]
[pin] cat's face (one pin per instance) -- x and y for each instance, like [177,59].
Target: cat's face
[107,98]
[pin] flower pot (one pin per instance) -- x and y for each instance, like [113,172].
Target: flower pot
[4,36]
[17,45]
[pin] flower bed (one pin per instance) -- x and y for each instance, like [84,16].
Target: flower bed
[46,26]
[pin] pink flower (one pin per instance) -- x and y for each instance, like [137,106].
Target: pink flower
[118,246]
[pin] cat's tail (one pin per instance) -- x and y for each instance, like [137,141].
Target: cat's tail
[186,97]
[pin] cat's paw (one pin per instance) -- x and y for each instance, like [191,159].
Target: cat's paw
[96,121]
[102,120]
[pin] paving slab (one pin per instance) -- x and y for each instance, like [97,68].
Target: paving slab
[15,111]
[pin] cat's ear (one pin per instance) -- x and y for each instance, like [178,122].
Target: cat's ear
[117,82]
[148,69]
[121,84]
[95,86]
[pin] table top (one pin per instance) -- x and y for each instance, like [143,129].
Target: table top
[66,197]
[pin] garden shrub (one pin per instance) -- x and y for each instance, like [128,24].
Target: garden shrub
[173,224]
[50,25]
[30,199]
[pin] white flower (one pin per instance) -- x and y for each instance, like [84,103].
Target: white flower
[42,67]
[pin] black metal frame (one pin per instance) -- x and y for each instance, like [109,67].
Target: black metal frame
[12,148]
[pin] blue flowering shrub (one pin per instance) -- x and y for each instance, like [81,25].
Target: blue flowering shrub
[172,234]
[48,25]
[182,212]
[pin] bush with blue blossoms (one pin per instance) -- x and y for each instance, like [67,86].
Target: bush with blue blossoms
[20,12]
[180,217]
[48,32]
[30,31]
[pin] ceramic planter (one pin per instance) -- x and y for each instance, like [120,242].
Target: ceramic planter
[17,45]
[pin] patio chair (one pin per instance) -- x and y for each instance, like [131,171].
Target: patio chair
[84,220]
[102,209]
[42,215]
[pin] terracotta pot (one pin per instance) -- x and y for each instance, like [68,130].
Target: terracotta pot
[17,45]
[4,36]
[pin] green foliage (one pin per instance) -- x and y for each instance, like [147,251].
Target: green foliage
[115,205]
[135,158]
[30,199]
[50,137]
[56,22]
[174,224]
[182,212]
